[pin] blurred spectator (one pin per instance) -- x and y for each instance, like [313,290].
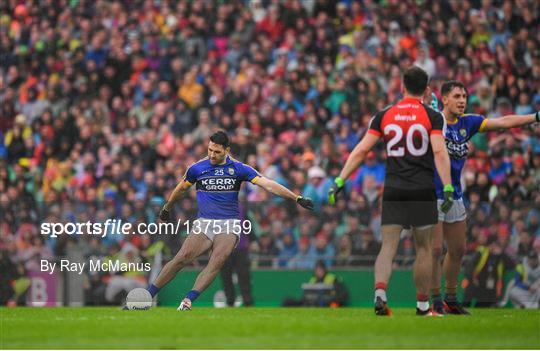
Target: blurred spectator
[288,251]
[323,250]
[266,251]
[9,274]
[324,289]
[32,252]
[526,290]
[302,260]
[344,251]
[239,263]
[485,273]
[317,186]
[123,281]
[371,168]
[368,250]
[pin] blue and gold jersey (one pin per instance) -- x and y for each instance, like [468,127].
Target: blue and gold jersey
[457,137]
[218,186]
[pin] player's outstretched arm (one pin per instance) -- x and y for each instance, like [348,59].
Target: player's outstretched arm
[510,121]
[165,213]
[279,190]
[354,160]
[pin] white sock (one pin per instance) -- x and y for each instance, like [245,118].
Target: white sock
[380,293]
[422,305]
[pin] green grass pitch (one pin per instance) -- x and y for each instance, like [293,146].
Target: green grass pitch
[263,328]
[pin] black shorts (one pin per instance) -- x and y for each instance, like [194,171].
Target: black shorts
[408,208]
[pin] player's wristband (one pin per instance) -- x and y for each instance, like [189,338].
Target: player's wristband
[448,188]
[537,116]
[339,182]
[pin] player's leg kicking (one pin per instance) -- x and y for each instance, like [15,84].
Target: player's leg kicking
[194,246]
[221,249]
[215,237]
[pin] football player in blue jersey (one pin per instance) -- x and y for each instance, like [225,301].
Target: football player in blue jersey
[459,130]
[218,178]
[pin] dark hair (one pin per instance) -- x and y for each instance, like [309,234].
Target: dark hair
[492,239]
[320,264]
[447,86]
[415,80]
[221,138]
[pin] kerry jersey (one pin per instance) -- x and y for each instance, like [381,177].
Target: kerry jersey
[457,138]
[218,186]
[405,128]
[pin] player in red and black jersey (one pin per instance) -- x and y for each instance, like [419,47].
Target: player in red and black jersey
[413,135]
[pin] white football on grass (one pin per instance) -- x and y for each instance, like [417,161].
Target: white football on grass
[139,299]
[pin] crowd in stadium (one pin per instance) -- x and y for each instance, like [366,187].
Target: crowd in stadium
[106,103]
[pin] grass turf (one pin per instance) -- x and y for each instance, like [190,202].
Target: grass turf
[257,328]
